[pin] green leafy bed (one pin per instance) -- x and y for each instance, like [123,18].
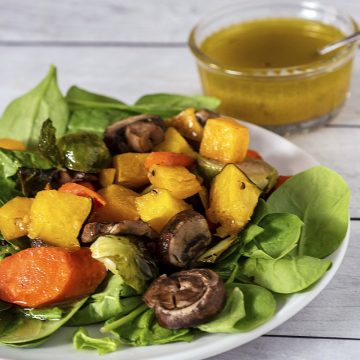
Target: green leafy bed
[283,249]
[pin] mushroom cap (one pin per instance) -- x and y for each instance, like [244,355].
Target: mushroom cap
[186,298]
[184,238]
[135,134]
[93,230]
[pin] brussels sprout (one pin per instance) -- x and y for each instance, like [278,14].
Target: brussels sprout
[84,152]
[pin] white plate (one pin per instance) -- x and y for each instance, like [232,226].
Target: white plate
[288,159]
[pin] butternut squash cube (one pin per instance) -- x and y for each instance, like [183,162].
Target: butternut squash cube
[187,124]
[11,144]
[120,204]
[233,198]
[107,176]
[57,217]
[130,170]
[175,142]
[224,140]
[158,206]
[14,218]
[177,179]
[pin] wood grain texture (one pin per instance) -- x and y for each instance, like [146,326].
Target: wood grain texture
[268,348]
[112,20]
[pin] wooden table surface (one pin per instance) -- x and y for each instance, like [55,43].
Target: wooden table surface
[129,48]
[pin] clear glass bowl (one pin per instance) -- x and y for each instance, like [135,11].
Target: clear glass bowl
[282,99]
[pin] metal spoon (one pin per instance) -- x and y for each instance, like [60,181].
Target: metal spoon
[337,44]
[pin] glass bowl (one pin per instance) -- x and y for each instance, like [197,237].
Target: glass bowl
[287,99]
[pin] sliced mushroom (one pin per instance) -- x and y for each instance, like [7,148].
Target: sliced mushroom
[66,176]
[37,243]
[137,134]
[203,115]
[93,230]
[186,298]
[184,238]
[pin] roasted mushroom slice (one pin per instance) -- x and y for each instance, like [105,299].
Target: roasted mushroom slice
[93,230]
[136,134]
[184,238]
[186,298]
[203,115]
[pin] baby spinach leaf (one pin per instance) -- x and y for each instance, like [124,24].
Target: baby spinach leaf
[7,190]
[77,95]
[83,341]
[287,275]
[280,236]
[47,143]
[211,255]
[12,160]
[23,118]
[145,330]
[320,198]
[107,303]
[53,313]
[95,120]
[233,311]
[21,329]
[260,306]
[179,102]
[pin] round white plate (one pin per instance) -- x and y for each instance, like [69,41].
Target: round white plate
[288,159]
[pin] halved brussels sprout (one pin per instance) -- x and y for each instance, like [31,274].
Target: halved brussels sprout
[84,152]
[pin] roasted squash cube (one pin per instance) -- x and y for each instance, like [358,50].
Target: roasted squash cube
[120,204]
[107,176]
[130,170]
[233,198]
[175,142]
[177,179]
[187,124]
[158,206]
[14,218]
[57,217]
[225,140]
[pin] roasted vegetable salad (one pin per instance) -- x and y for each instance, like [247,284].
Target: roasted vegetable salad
[154,220]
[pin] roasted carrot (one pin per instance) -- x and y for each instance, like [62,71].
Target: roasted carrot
[44,276]
[253,154]
[168,158]
[281,179]
[80,190]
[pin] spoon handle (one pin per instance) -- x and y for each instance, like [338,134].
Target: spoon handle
[337,44]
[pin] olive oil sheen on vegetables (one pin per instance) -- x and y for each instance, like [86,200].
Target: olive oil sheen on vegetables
[262,70]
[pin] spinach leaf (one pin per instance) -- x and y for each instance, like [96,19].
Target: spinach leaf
[107,303]
[233,311]
[6,250]
[31,181]
[280,236]
[320,198]
[211,255]
[76,94]
[95,120]
[53,313]
[227,266]
[21,330]
[179,102]
[4,306]
[7,190]
[145,330]
[287,275]
[23,118]
[12,160]
[47,143]
[83,341]
[164,105]
[260,306]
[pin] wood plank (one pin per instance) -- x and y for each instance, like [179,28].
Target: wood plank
[112,20]
[268,348]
